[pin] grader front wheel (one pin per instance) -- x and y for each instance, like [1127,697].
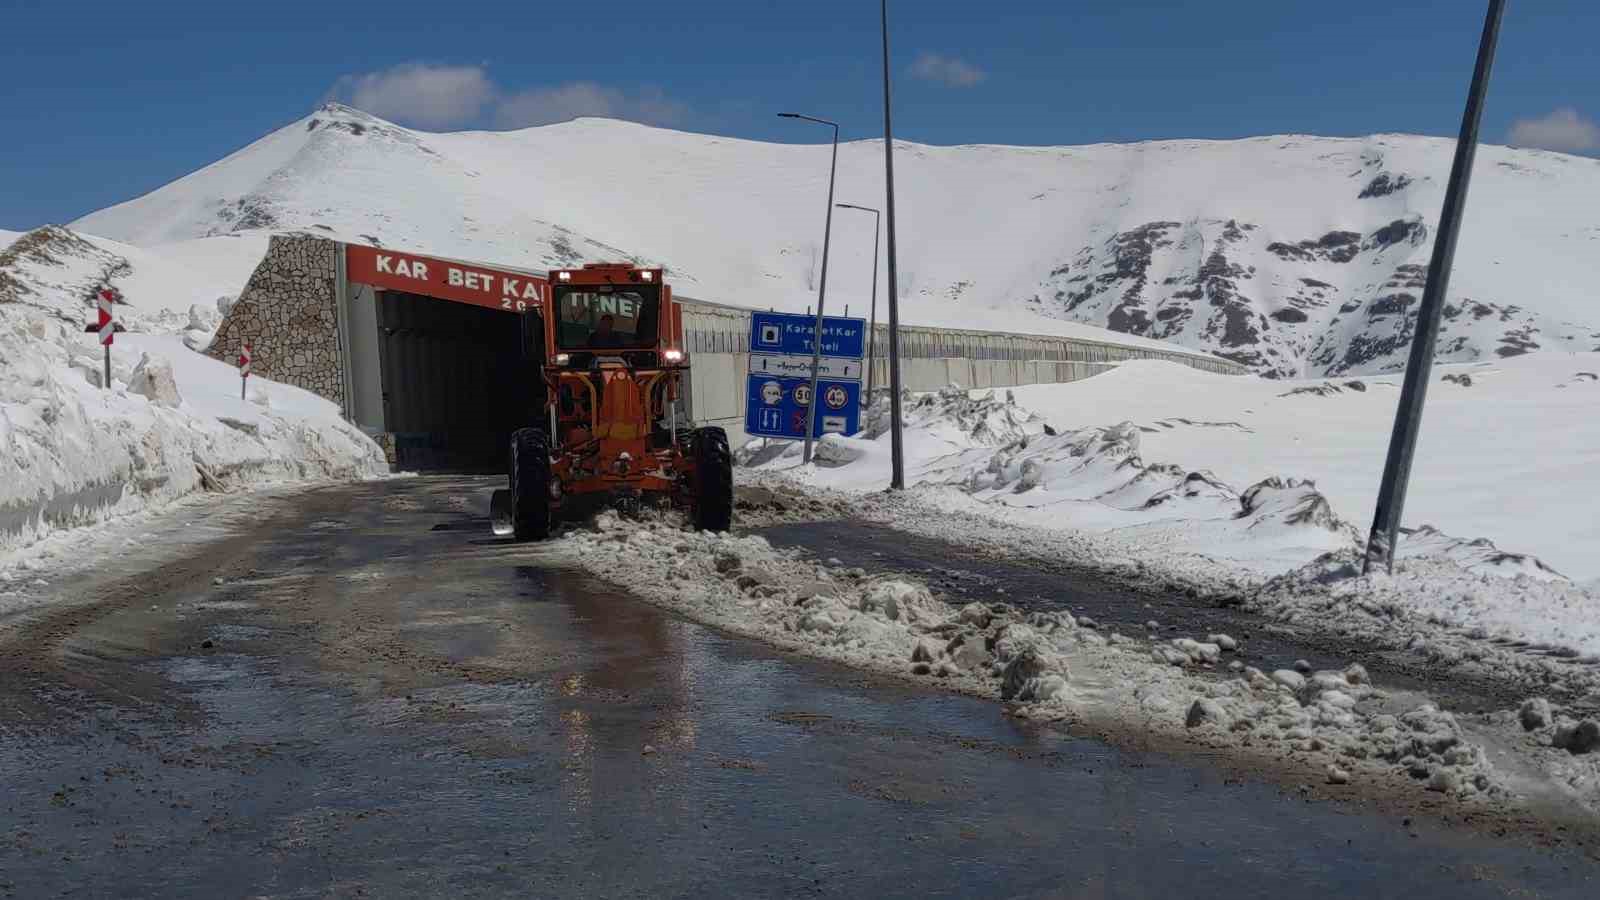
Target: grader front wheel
[530,484]
[713,480]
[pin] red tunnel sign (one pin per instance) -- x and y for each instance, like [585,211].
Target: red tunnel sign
[445,279]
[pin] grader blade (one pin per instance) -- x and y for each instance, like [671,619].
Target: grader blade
[500,513]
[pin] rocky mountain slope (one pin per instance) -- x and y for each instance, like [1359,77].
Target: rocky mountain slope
[1297,256]
[1342,301]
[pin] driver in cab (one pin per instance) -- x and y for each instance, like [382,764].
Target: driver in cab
[604,334]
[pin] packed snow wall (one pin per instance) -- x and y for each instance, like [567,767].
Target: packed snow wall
[289,315]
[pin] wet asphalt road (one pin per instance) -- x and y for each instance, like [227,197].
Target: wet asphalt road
[379,700]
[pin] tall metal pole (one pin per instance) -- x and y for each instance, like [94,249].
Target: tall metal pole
[897,451]
[822,289]
[872,322]
[1408,416]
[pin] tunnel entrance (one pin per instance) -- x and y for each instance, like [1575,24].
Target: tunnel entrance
[454,383]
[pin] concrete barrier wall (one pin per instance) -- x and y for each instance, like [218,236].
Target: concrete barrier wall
[718,341]
[311,328]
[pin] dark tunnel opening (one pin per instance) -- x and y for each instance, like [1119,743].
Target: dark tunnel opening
[454,383]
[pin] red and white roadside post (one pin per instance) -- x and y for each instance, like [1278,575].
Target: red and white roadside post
[244,369]
[108,328]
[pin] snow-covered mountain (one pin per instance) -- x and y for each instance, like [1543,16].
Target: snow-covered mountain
[1293,255]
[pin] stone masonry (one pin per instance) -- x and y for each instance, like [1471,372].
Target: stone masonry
[288,315]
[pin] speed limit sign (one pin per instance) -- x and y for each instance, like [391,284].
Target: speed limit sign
[836,397]
[802,394]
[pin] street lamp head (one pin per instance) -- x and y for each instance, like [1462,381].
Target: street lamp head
[803,116]
[853,206]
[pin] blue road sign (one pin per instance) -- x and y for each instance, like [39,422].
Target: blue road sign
[780,407]
[790,334]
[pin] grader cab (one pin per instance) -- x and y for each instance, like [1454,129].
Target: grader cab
[606,423]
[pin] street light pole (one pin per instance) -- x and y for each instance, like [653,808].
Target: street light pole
[872,322]
[822,288]
[897,451]
[1408,414]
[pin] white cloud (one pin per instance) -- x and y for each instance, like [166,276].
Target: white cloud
[542,106]
[947,70]
[420,94]
[1563,130]
[429,96]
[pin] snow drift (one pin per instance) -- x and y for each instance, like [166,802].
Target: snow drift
[172,422]
[1510,456]
[1005,460]
[1501,484]
[1250,490]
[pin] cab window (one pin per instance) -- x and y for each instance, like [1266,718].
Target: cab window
[600,317]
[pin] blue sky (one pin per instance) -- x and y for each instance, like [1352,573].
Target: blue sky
[106,101]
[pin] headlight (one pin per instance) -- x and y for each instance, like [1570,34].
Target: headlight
[563,358]
[647,276]
[564,276]
[673,356]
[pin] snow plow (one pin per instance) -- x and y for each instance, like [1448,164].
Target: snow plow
[606,425]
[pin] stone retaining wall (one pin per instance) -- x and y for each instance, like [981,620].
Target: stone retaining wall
[288,315]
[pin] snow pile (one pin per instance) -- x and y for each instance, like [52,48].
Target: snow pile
[1545,720]
[957,414]
[1479,556]
[948,419]
[1512,458]
[1049,666]
[1205,520]
[197,325]
[1547,748]
[203,323]
[1223,433]
[744,584]
[1006,460]
[1337,714]
[153,380]
[1440,606]
[72,453]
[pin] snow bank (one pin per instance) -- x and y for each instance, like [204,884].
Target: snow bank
[1441,607]
[1052,666]
[991,454]
[72,452]
[990,472]
[1511,458]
